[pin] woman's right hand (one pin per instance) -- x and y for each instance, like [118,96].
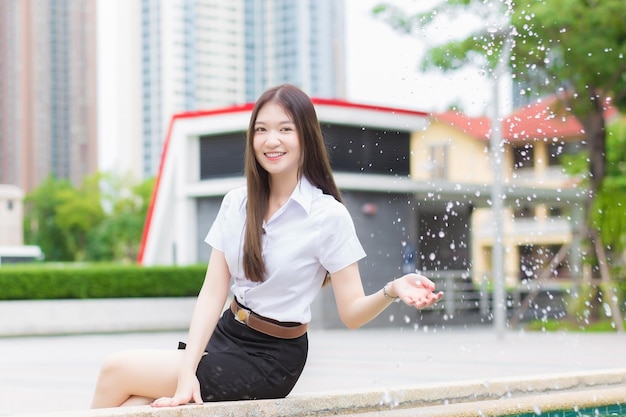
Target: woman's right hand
[188,389]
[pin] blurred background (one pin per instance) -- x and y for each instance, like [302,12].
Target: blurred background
[479,143]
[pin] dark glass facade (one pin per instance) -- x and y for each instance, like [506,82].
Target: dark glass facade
[352,149]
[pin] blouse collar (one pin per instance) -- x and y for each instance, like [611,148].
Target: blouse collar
[302,195]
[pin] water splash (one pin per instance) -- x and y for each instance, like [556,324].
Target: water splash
[388,400]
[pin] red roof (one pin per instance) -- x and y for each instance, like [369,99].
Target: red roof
[542,119]
[478,127]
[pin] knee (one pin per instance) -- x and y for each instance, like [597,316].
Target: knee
[115,366]
[111,388]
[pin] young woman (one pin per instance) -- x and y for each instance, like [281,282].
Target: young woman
[279,239]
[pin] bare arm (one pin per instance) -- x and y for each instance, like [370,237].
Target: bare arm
[356,308]
[206,313]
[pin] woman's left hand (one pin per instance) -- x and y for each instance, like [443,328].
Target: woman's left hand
[415,290]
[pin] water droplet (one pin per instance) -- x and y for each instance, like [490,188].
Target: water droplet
[389,400]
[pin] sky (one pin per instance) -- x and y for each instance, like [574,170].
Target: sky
[383,66]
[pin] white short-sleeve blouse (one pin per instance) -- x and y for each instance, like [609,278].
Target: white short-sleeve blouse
[310,234]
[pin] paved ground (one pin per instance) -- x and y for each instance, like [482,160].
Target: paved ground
[45,374]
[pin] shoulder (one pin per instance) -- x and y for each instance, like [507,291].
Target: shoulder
[330,210]
[235,199]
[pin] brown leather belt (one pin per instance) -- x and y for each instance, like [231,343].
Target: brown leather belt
[265,325]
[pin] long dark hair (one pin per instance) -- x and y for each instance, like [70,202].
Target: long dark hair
[314,165]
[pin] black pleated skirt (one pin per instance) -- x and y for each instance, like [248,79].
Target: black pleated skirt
[243,364]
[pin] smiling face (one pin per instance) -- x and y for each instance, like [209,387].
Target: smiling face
[276,142]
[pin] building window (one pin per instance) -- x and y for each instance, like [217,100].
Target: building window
[523,156]
[534,259]
[438,160]
[524,212]
[222,155]
[10,205]
[367,150]
[556,151]
[555,212]
[351,149]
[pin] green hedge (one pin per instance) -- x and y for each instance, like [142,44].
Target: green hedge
[41,281]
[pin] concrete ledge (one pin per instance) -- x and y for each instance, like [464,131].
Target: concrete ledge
[50,317]
[110,315]
[539,405]
[495,397]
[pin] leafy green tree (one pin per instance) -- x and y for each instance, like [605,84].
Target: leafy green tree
[607,214]
[59,217]
[118,237]
[577,47]
[101,220]
[40,219]
[79,210]
[608,217]
[609,210]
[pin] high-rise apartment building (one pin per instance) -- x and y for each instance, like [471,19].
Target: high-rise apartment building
[299,42]
[200,54]
[48,80]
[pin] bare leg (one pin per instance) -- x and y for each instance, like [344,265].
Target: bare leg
[135,377]
[135,400]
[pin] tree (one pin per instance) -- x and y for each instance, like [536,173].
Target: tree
[78,212]
[59,217]
[101,220]
[118,237]
[609,210]
[40,220]
[575,48]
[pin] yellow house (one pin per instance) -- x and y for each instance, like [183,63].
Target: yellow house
[455,148]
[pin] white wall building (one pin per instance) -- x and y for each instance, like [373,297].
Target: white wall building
[11,215]
[370,149]
[12,248]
